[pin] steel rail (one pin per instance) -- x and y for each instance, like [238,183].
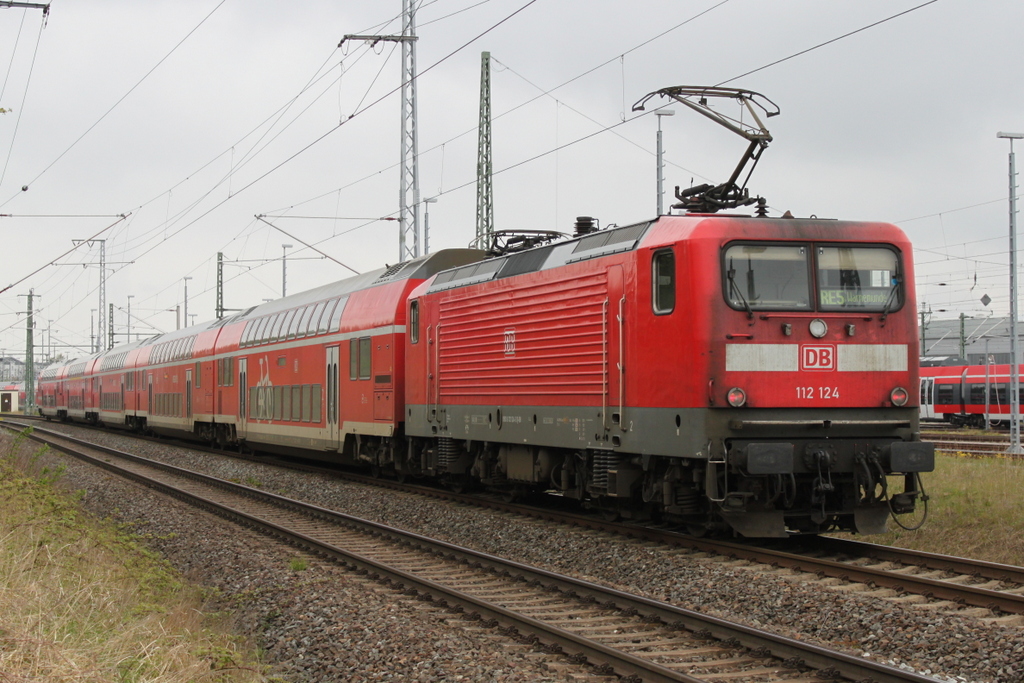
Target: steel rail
[989,570]
[585,650]
[932,588]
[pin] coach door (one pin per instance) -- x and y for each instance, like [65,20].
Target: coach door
[614,318]
[243,395]
[927,398]
[333,430]
[188,394]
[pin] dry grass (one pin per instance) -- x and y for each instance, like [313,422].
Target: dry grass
[82,601]
[976,510]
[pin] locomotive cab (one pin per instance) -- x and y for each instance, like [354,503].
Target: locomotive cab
[813,391]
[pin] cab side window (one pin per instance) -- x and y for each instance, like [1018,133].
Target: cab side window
[414,322]
[663,282]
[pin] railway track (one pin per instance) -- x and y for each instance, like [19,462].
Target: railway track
[985,590]
[975,443]
[617,633]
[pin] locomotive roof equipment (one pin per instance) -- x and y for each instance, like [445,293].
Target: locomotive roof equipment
[707,198]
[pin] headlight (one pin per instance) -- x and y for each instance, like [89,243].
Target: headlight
[818,328]
[736,397]
[899,396]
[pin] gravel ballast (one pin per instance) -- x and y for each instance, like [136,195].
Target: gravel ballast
[310,621]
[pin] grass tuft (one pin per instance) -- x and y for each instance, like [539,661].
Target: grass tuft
[82,600]
[975,510]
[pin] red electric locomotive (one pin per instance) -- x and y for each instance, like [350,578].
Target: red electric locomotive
[754,373]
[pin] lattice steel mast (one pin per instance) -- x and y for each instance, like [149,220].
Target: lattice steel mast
[409,182]
[409,205]
[484,166]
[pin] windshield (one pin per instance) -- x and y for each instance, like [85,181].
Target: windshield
[778,277]
[767,277]
[862,278]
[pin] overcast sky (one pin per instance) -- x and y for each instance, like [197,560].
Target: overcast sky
[194,116]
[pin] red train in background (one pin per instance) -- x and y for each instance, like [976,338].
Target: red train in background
[733,374]
[966,395]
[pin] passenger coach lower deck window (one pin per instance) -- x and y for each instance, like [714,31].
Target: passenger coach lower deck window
[359,358]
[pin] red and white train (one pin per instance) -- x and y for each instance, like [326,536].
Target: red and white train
[731,373]
[967,395]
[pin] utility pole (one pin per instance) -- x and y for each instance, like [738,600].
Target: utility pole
[1015,447]
[92,331]
[661,161]
[963,339]
[30,366]
[924,327]
[101,326]
[187,278]
[484,161]
[130,296]
[284,269]
[426,223]
[409,183]
[220,288]
[220,285]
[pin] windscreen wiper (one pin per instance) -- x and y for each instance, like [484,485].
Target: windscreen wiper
[896,280]
[735,289]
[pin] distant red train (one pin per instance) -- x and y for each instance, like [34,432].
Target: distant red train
[748,375]
[966,395]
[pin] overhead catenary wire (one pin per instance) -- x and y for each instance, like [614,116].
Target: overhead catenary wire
[24,98]
[613,126]
[306,244]
[827,42]
[114,106]
[43,267]
[14,53]
[318,139]
[327,133]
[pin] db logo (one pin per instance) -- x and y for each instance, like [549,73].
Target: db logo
[510,341]
[818,357]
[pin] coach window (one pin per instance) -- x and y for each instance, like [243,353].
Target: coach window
[293,326]
[353,359]
[281,330]
[278,329]
[336,315]
[414,322]
[303,328]
[365,356]
[262,325]
[663,275]
[325,319]
[246,333]
[314,321]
